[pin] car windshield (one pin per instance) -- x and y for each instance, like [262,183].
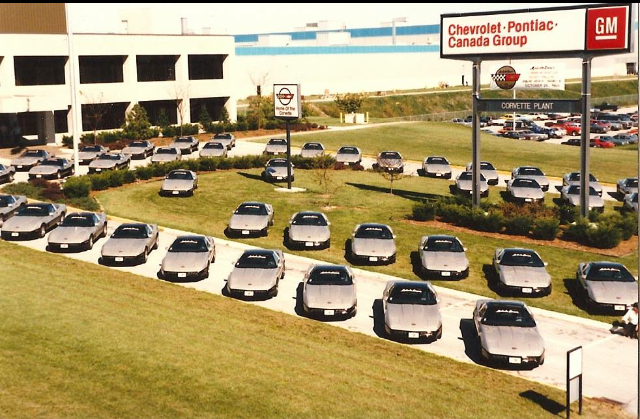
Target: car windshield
[348,150]
[189,245]
[575,176]
[181,175]
[421,295]
[575,190]
[222,136]
[34,211]
[525,183]
[632,183]
[109,157]
[214,145]
[183,140]
[33,153]
[530,171]
[309,220]
[277,163]
[612,272]
[390,155]
[374,232]
[507,315]
[277,141]
[437,160]
[443,244]
[322,276]
[5,201]
[2,166]
[521,258]
[486,166]
[634,197]
[166,151]
[78,220]
[468,176]
[257,261]
[138,144]
[312,146]
[130,232]
[91,148]
[52,162]
[251,209]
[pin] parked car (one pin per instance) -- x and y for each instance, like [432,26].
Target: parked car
[9,205]
[186,145]
[166,154]
[78,231]
[629,138]
[630,202]
[532,173]
[214,149]
[611,139]
[607,286]
[227,139]
[390,161]
[30,158]
[597,129]
[521,271]
[188,258]
[411,311]
[276,169]
[573,178]
[7,173]
[572,141]
[443,257]
[627,186]
[437,166]
[276,146]
[531,135]
[507,333]
[606,106]
[89,153]
[349,155]
[33,221]
[251,218]
[179,182]
[572,128]
[308,230]
[256,273]
[130,243]
[514,135]
[139,149]
[312,150]
[488,171]
[109,161]
[52,168]
[525,190]
[329,291]
[571,195]
[600,143]
[372,243]
[464,184]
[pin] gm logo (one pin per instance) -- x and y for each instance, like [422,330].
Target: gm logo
[607,28]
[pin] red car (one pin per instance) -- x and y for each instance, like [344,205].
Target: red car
[572,128]
[600,143]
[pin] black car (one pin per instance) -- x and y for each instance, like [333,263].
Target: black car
[606,106]
[572,141]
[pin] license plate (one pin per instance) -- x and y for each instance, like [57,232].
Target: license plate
[619,308]
[19,166]
[514,360]
[245,231]
[80,161]
[279,177]
[527,200]
[182,274]
[445,273]
[119,259]
[175,192]
[438,174]
[527,290]
[373,259]
[38,176]
[14,234]
[308,244]
[98,170]
[64,246]
[347,163]
[414,335]
[329,312]
[248,293]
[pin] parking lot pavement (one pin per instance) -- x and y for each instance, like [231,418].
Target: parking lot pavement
[610,361]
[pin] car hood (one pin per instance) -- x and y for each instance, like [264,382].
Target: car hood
[103,164]
[124,247]
[512,340]
[330,296]
[437,168]
[412,317]
[24,161]
[23,224]
[542,180]
[594,201]
[467,185]
[224,141]
[163,157]
[348,158]
[310,153]
[309,233]
[252,279]
[181,146]
[533,193]
[134,150]
[489,174]
[596,185]
[278,171]
[443,261]
[212,152]
[185,261]
[524,276]
[177,185]
[44,170]
[249,222]
[70,234]
[390,163]
[86,155]
[374,247]
[613,292]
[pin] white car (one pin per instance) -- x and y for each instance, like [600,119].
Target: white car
[329,291]
[349,155]
[488,171]
[166,154]
[573,178]
[437,166]
[411,311]
[464,184]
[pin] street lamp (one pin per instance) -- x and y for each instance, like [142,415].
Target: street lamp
[393,26]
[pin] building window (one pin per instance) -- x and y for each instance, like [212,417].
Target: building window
[156,67]
[39,71]
[101,69]
[213,105]
[206,67]
[60,121]
[154,110]
[101,116]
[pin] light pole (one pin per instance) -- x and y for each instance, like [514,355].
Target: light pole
[76,114]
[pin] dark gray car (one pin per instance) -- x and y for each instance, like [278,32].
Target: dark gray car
[521,271]
[443,257]
[188,258]
[627,186]
[78,231]
[631,202]
[309,230]
[256,274]
[372,243]
[329,291]
[607,286]
[411,311]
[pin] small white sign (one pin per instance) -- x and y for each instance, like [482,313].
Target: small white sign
[535,77]
[286,101]
[575,363]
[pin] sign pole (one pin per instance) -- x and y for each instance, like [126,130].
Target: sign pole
[585,131]
[475,172]
[287,106]
[288,154]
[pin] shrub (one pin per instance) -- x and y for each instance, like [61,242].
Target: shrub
[568,214]
[225,164]
[52,192]
[137,125]
[518,225]
[492,222]
[545,228]
[110,137]
[27,189]
[577,231]
[86,203]
[357,167]
[143,172]
[455,214]
[217,128]
[424,212]
[99,182]
[208,164]
[243,126]
[77,187]
[67,141]
[604,236]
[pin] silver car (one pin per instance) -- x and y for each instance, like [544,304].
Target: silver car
[130,243]
[437,166]
[573,178]
[309,230]
[525,190]
[256,274]
[139,149]
[571,195]
[607,286]
[213,149]
[227,139]
[372,243]
[109,161]
[532,173]
[179,182]
[329,291]
[52,168]
[312,150]
[627,186]
[488,171]
[464,184]
[631,202]
[10,204]
[166,154]
[276,146]
[349,155]
[390,161]
[7,173]
[30,158]
[188,258]
[33,221]
[89,153]
[251,218]
[507,333]
[411,311]
[186,145]
[521,271]
[78,231]
[276,169]
[443,257]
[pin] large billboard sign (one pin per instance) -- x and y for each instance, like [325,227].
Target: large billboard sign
[550,32]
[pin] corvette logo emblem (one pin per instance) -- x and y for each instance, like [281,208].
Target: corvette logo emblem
[506,77]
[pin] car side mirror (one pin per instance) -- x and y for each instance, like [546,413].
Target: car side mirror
[464,248]
[394,236]
[328,223]
[546,264]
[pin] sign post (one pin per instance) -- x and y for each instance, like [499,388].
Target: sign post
[287,106]
[574,379]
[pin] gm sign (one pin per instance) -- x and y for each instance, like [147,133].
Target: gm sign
[607,28]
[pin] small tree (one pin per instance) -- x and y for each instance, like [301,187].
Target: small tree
[162,119]
[137,125]
[204,118]
[95,111]
[392,175]
[224,115]
[350,102]
[324,176]
[181,95]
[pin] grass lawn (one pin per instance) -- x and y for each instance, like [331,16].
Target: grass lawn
[359,197]
[99,343]
[421,139]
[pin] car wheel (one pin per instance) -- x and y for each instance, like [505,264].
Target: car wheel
[439,334]
[155,244]
[11,177]
[327,244]
[104,231]
[90,242]
[58,174]
[145,255]
[42,231]
[205,274]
